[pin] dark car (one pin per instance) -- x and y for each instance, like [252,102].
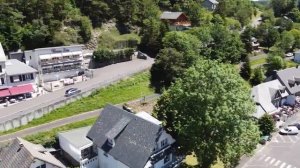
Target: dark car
[264,139]
[72,91]
[296,125]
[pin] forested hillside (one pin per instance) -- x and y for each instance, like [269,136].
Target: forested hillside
[29,24]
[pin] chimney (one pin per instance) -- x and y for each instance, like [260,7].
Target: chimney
[111,142]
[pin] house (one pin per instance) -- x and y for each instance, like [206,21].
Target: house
[254,44]
[23,154]
[297,56]
[175,20]
[55,63]
[268,96]
[16,78]
[124,140]
[210,4]
[290,78]
[77,148]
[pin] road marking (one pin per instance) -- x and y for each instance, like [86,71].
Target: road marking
[277,163]
[282,165]
[291,139]
[273,160]
[260,158]
[289,166]
[267,158]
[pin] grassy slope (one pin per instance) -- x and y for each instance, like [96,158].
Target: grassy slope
[123,91]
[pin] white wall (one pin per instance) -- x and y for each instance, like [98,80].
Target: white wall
[161,163]
[69,148]
[163,136]
[108,161]
[33,82]
[38,162]
[92,163]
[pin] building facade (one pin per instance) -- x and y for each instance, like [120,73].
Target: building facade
[56,63]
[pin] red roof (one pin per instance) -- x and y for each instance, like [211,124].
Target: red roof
[20,89]
[4,93]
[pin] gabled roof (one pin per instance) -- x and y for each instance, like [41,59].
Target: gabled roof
[136,137]
[213,1]
[264,93]
[170,15]
[2,54]
[22,153]
[15,67]
[289,74]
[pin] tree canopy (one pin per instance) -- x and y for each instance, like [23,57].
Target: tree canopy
[206,116]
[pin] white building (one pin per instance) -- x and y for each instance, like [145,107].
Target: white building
[268,96]
[55,63]
[23,154]
[16,78]
[125,140]
[78,148]
[120,139]
[297,56]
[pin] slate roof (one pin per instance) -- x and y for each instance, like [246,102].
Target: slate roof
[170,15]
[15,67]
[289,74]
[77,137]
[16,156]
[263,94]
[135,142]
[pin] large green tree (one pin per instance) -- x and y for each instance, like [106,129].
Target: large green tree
[275,63]
[246,69]
[169,65]
[281,7]
[208,112]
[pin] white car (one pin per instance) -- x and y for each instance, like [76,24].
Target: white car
[290,130]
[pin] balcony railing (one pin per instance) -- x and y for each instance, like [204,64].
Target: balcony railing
[60,61]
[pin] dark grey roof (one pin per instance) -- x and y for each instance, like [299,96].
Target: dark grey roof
[136,140]
[21,153]
[286,75]
[170,15]
[15,67]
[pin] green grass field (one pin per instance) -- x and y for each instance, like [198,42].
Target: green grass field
[129,89]
[260,61]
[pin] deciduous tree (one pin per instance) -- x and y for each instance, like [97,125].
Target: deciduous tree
[208,112]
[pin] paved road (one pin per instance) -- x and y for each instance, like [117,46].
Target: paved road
[102,75]
[282,152]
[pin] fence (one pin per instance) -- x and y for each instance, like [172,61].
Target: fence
[23,117]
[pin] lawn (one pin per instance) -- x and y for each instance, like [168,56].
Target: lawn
[260,61]
[291,63]
[112,39]
[48,138]
[129,89]
[191,160]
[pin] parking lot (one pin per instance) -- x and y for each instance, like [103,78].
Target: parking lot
[283,151]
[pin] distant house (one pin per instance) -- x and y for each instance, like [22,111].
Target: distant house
[210,4]
[23,154]
[126,140]
[297,56]
[268,96]
[176,20]
[77,148]
[290,78]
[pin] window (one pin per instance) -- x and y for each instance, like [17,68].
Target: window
[164,143]
[166,159]
[0,68]
[2,81]
[42,166]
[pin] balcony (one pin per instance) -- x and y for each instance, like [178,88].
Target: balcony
[60,61]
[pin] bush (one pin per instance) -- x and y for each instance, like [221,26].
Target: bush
[109,56]
[266,124]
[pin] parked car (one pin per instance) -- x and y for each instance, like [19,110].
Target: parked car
[72,91]
[264,139]
[290,130]
[296,125]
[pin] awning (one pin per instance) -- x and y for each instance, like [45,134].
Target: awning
[56,55]
[20,89]
[4,93]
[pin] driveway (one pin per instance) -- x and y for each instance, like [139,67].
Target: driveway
[103,75]
[281,152]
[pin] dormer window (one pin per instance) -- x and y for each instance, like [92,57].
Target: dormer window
[164,143]
[291,82]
